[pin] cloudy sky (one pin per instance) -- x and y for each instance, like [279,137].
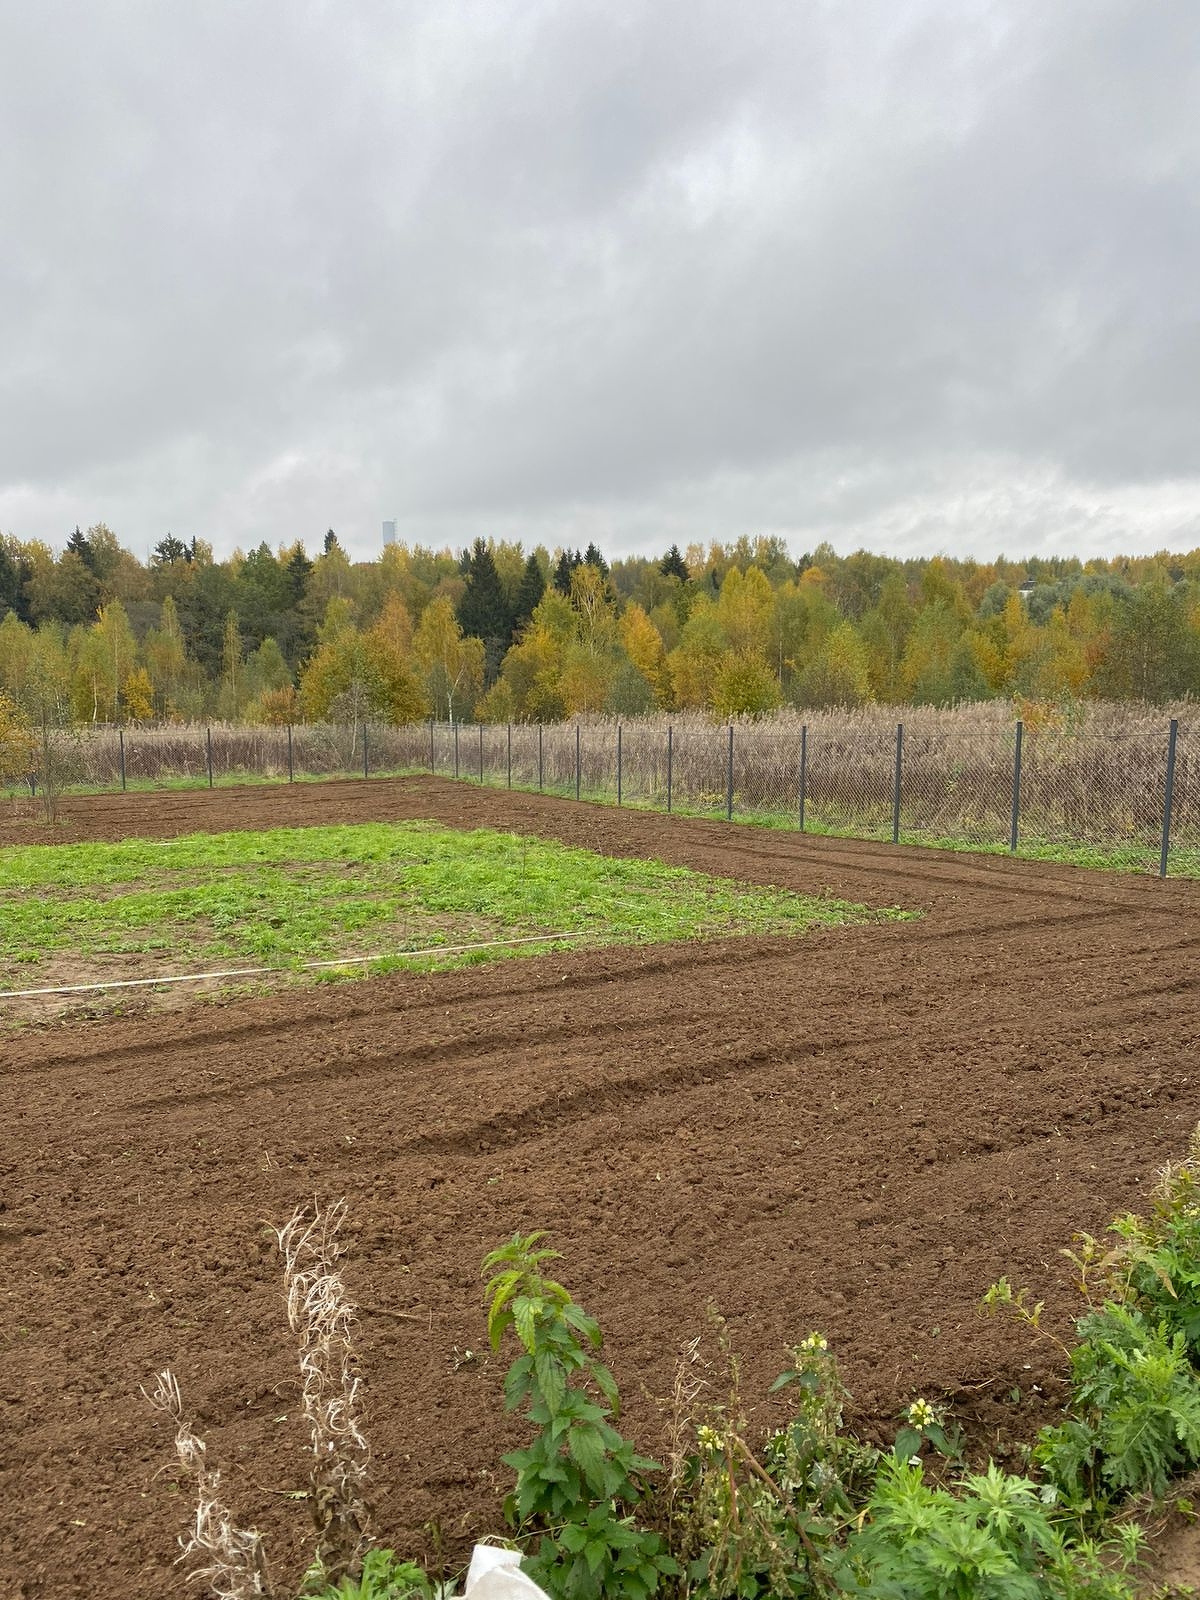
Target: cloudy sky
[892,273]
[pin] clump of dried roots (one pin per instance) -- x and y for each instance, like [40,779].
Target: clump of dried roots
[229,1559]
[322,1319]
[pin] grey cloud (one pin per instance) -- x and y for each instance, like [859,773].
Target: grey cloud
[638,272]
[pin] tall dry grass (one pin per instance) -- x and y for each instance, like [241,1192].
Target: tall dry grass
[230,1560]
[1093,774]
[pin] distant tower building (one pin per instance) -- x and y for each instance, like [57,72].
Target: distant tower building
[389,532]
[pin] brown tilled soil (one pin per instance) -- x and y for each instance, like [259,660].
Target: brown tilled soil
[857,1131]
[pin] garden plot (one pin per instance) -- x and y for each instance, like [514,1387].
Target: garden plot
[857,1130]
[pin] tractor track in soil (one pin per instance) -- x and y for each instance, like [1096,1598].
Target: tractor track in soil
[857,1131]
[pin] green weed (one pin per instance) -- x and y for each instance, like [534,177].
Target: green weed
[293,894]
[383,1577]
[1133,1419]
[580,1481]
[993,1539]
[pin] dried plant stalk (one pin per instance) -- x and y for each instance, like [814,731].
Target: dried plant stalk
[229,1559]
[322,1319]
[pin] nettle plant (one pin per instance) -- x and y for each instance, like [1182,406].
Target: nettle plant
[580,1481]
[1133,1422]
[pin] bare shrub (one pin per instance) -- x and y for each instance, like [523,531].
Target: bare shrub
[322,1319]
[227,1558]
[230,1559]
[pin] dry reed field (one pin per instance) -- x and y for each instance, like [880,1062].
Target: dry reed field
[1091,779]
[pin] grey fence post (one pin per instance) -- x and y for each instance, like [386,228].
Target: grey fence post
[456,749]
[510,755]
[208,745]
[366,754]
[729,778]
[803,770]
[670,762]
[47,770]
[1168,798]
[541,764]
[121,738]
[291,758]
[432,754]
[618,763]
[1015,826]
[899,776]
[481,752]
[578,761]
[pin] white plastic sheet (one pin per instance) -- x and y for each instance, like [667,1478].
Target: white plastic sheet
[495,1574]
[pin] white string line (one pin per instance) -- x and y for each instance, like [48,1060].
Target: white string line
[303,966]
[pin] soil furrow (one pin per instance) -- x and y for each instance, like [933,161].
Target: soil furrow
[856,1131]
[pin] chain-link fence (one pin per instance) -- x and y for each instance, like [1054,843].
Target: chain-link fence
[1103,786]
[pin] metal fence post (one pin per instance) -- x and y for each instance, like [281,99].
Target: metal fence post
[1015,826]
[291,759]
[456,749]
[1168,797]
[803,770]
[510,755]
[366,755]
[121,738]
[618,763]
[432,756]
[541,764]
[208,745]
[729,778]
[899,775]
[578,761]
[47,770]
[481,752]
[670,762]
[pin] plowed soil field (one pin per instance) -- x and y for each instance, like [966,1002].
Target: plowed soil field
[857,1131]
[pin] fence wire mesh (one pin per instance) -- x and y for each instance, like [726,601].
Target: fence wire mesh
[698,753]
[1185,808]
[850,780]
[1098,783]
[1094,790]
[957,787]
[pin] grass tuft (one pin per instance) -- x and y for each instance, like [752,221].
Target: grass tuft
[289,895]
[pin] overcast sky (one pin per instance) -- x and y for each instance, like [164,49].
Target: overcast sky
[913,276]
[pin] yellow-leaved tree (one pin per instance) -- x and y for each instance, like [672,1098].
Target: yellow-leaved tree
[102,659]
[643,644]
[744,610]
[694,662]
[745,686]
[18,746]
[450,664]
[138,695]
[838,674]
[398,693]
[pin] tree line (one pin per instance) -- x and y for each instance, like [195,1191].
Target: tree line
[496,633]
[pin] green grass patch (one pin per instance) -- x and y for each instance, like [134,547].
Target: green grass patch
[289,895]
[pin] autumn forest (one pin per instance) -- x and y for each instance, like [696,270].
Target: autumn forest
[91,634]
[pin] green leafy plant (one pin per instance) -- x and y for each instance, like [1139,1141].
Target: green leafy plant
[579,1482]
[992,1540]
[1133,1421]
[1136,1405]
[761,1525]
[925,1424]
[384,1576]
[819,1513]
[1156,1263]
